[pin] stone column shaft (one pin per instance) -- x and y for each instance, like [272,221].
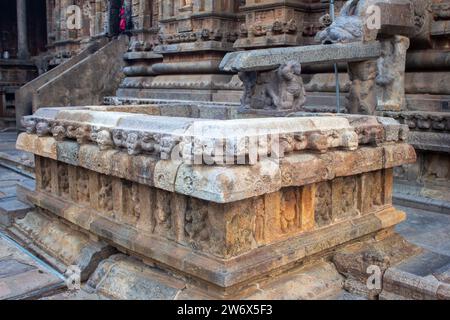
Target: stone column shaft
[22,39]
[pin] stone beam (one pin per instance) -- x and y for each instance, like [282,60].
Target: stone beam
[268,59]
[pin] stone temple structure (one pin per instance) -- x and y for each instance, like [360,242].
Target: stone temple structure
[195,146]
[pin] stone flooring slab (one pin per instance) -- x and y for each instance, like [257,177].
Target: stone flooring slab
[424,276]
[10,156]
[426,229]
[10,206]
[22,277]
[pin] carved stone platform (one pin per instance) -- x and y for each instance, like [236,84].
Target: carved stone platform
[220,224]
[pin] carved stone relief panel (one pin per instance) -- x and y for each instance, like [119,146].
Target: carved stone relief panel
[284,213]
[290,214]
[131,206]
[63,179]
[344,199]
[436,169]
[83,186]
[105,202]
[46,173]
[240,222]
[196,223]
[323,201]
[163,214]
[371,186]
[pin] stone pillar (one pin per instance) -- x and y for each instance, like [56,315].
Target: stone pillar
[362,97]
[22,41]
[391,74]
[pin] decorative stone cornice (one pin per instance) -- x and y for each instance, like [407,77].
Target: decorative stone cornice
[211,141]
[423,121]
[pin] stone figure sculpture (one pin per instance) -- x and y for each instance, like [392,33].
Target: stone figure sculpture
[286,89]
[280,90]
[362,97]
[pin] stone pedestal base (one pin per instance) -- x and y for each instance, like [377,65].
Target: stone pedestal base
[223,273]
[283,191]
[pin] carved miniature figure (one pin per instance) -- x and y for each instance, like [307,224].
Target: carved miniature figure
[104,140]
[280,89]
[119,138]
[133,144]
[286,90]
[42,128]
[59,132]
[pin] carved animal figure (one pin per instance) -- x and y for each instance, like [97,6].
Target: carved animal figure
[347,27]
[286,90]
[351,24]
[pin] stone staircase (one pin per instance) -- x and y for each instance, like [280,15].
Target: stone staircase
[82,80]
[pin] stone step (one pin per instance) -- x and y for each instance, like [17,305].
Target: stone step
[125,277]
[11,209]
[404,197]
[58,243]
[398,284]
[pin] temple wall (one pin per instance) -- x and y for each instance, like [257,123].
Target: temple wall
[63,42]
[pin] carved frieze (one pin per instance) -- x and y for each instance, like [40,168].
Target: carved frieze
[422,121]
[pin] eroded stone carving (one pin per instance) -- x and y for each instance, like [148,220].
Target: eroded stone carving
[104,140]
[45,174]
[290,214]
[59,132]
[105,201]
[163,212]
[29,124]
[42,128]
[391,73]
[133,143]
[323,209]
[416,120]
[280,90]
[347,27]
[362,97]
[63,179]
[83,186]
[196,222]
